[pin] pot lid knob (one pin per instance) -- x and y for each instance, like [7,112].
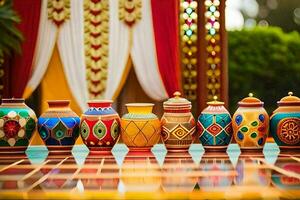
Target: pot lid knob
[215,101]
[177,94]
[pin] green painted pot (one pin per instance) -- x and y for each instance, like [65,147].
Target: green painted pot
[285,123]
[17,124]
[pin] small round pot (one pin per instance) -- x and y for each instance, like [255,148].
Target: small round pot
[59,126]
[140,128]
[17,124]
[285,123]
[250,124]
[214,126]
[100,126]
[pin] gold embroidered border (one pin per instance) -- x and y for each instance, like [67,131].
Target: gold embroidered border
[130,11]
[58,11]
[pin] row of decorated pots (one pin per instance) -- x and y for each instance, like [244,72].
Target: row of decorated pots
[140,129]
[250,124]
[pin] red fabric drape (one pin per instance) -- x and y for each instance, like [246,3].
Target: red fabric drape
[166,32]
[29,12]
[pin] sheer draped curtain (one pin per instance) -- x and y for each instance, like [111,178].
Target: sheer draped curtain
[144,56]
[44,47]
[69,39]
[118,51]
[71,48]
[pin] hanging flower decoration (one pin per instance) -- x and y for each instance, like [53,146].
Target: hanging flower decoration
[58,11]
[212,26]
[96,35]
[188,27]
[130,11]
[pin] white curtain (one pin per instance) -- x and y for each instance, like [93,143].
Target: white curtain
[143,53]
[144,58]
[71,48]
[118,50]
[43,50]
[70,43]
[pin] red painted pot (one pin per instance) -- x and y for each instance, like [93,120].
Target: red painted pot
[100,125]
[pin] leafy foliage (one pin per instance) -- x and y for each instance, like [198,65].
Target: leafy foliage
[10,36]
[265,61]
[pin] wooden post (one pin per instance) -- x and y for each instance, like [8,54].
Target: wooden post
[212,52]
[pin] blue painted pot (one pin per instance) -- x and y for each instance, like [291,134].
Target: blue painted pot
[285,123]
[59,126]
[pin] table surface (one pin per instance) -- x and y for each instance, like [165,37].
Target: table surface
[154,175]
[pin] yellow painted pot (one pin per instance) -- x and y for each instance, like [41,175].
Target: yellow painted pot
[250,124]
[140,128]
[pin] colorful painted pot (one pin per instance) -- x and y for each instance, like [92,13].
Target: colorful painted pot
[100,126]
[178,124]
[250,124]
[17,124]
[140,128]
[285,123]
[59,126]
[214,126]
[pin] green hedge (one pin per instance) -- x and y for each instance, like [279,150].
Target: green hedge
[265,61]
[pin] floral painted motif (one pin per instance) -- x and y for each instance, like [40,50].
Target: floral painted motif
[285,122]
[289,130]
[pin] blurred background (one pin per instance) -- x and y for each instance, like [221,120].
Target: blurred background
[203,48]
[264,49]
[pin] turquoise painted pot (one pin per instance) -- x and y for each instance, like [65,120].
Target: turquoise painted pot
[285,123]
[214,126]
